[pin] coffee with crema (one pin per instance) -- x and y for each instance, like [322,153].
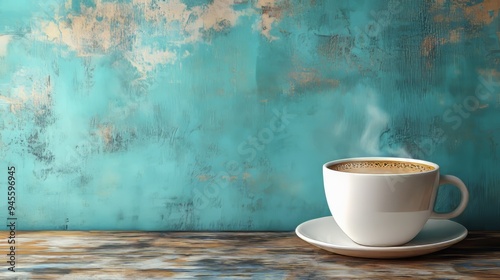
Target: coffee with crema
[381,167]
[384,201]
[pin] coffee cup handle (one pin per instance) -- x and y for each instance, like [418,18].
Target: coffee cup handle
[452,180]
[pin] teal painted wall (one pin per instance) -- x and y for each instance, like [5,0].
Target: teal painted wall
[217,115]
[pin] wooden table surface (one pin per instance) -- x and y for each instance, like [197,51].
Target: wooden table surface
[230,255]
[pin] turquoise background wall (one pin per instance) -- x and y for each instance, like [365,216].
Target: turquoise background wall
[218,115]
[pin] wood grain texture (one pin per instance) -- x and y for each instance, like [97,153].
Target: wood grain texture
[234,255]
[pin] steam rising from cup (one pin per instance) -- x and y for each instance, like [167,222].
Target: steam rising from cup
[373,136]
[377,123]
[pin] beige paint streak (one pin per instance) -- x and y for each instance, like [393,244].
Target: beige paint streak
[4,42]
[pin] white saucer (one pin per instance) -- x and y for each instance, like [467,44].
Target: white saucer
[326,234]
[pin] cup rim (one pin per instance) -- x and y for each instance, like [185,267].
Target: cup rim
[400,159]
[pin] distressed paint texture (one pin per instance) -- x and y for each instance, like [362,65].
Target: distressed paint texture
[217,115]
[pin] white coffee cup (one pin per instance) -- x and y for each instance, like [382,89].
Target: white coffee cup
[384,201]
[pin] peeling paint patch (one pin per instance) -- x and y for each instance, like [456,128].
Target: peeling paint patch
[107,26]
[482,13]
[96,30]
[145,59]
[193,22]
[4,42]
[271,13]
